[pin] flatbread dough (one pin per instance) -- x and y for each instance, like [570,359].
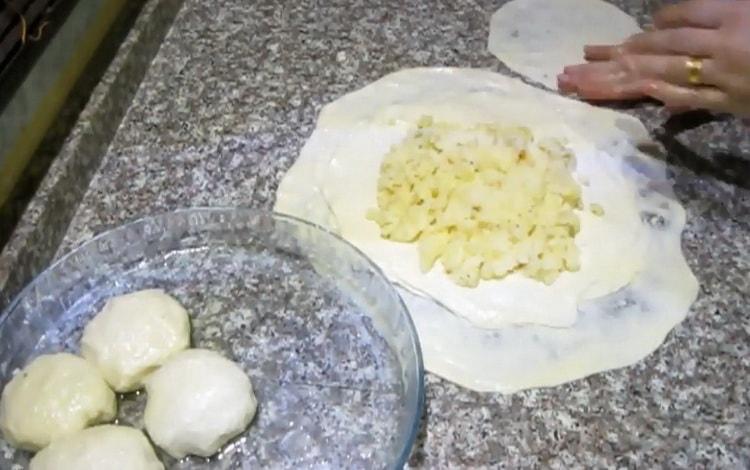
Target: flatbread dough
[538,38]
[639,286]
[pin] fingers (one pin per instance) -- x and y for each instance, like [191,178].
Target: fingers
[610,91]
[605,70]
[696,13]
[566,85]
[623,78]
[599,81]
[680,97]
[629,68]
[668,68]
[595,52]
[694,42]
[654,63]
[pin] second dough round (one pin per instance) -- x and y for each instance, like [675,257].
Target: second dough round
[133,335]
[197,402]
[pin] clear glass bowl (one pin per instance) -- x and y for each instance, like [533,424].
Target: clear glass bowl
[327,341]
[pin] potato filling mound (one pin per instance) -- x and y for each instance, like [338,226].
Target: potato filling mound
[485,200]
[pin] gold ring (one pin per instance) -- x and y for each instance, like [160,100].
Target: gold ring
[694,68]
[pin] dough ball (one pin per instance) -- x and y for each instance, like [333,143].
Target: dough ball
[197,402]
[54,396]
[98,448]
[133,335]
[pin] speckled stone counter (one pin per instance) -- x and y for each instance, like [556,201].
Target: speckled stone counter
[233,93]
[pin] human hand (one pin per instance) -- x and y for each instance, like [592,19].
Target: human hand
[655,63]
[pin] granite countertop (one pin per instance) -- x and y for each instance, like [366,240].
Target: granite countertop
[231,96]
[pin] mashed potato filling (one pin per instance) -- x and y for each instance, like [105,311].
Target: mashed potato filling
[483,200]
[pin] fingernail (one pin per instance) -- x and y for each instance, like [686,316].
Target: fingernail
[565,84]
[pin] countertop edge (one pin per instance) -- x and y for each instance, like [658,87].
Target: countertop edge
[31,247]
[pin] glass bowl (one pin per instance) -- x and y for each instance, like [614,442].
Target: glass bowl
[325,338]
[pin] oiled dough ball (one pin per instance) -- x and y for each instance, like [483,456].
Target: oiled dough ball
[197,402]
[99,448]
[133,335]
[54,396]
